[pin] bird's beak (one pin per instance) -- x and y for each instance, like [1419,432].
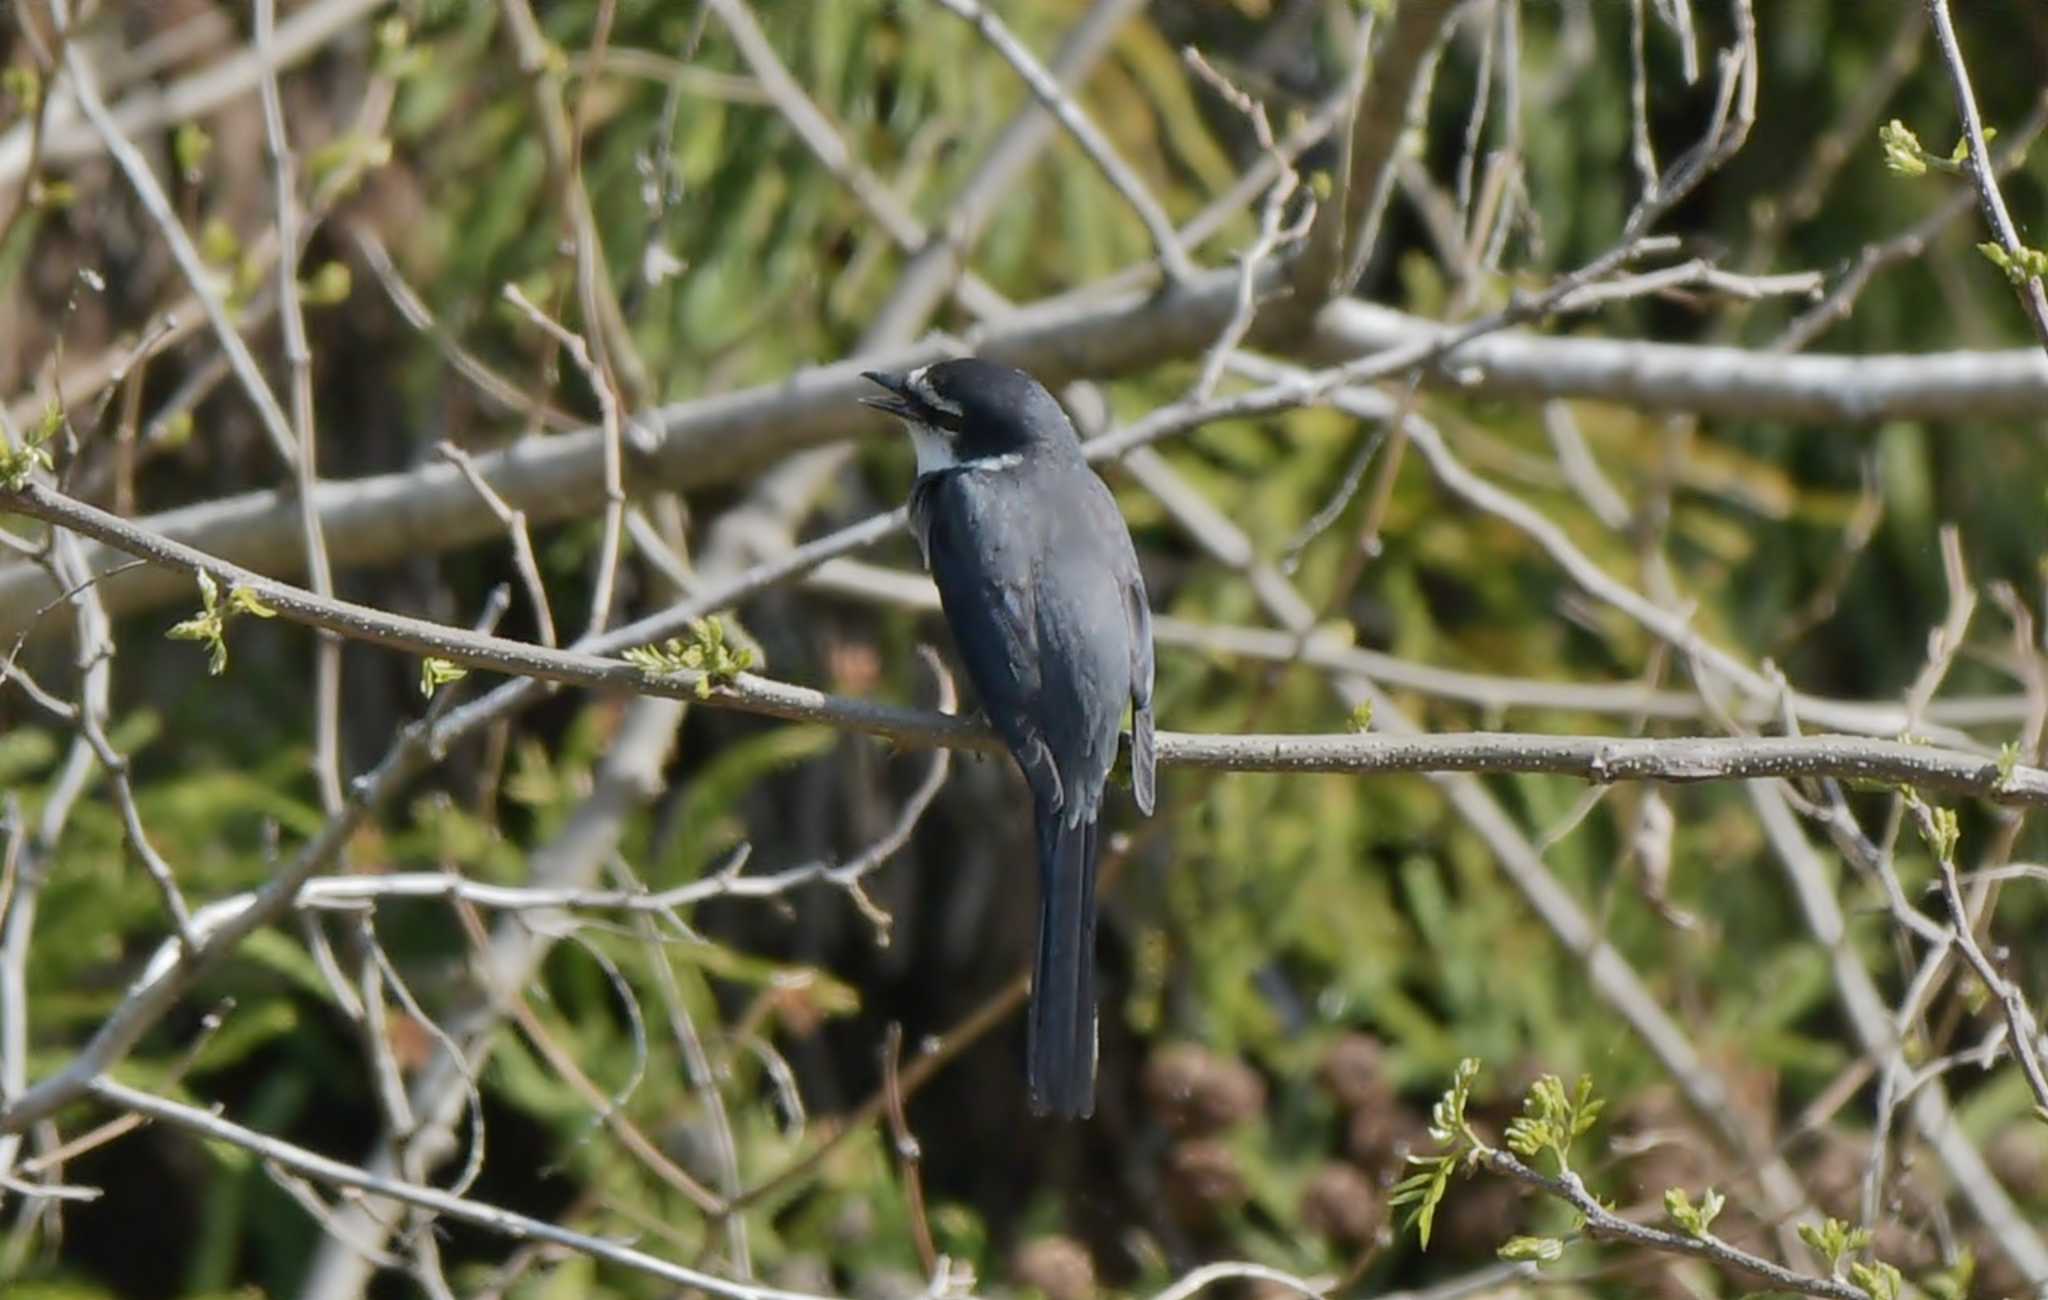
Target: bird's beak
[900,402]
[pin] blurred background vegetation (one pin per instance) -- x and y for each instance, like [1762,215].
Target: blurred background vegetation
[1292,964]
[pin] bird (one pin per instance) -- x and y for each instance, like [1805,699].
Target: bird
[1041,588]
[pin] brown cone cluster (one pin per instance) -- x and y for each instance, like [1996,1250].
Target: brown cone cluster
[1195,1092]
[1197,1095]
[1057,1267]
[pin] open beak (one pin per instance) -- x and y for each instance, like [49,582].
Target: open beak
[900,402]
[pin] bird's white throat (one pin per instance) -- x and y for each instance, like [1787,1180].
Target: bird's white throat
[937,450]
[934,445]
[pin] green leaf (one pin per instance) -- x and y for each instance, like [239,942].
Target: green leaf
[21,83]
[706,652]
[190,145]
[19,464]
[1833,1239]
[1551,1118]
[1425,1191]
[1543,1249]
[1902,151]
[1953,1282]
[330,284]
[241,600]
[2027,264]
[211,623]
[1448,1126]
[1697,1220]
[436,673]
[1880,1279]
[218,243]
[1961,153]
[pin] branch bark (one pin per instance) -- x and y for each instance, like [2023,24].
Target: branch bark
[381,519]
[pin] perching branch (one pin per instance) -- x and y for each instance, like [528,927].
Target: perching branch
[1592,758]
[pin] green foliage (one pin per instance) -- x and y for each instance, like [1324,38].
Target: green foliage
[1269,914]
[20,464]
[1553,1118]
[337,167]
[1542,1250]
[1906,156]
[190,147]
[1424,1191]
[1881,1280]
[706,652]
[209,626]
[1953,1282]
[1902,150]
[1834,1240]
[218,243]
[1697,1220]
[23,84]
[436,673]
[1939,827]
[2019,266]
[330,284]
[2008,762]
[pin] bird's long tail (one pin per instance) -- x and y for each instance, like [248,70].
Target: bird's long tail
[1061,1051]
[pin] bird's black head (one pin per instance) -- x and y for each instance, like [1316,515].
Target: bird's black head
[973,411]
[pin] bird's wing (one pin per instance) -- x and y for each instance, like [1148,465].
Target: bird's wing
[983,557]
[1144,758]
[1087,654]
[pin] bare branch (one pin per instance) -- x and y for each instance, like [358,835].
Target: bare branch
[1389,91]
[1593,758]
[1047,90]
[492,1218]
[191,96]
[299,358]
[378,519]
[1603,1223]
[2033,297]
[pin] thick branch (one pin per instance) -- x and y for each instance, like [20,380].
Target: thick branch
[429,509]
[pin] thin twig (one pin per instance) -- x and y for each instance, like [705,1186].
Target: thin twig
[487,381]
[2033,297]
[523,558]
[908,1153]
[197,278]
[1165,240]
[2025,1036]
[492,1218]
[1602,1223]
[299,358]
[609,402]
[191,97]
[1910,243]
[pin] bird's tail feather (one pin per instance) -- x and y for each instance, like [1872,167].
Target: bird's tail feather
[1061,1051]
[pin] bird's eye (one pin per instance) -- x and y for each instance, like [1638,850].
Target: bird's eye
[944,410]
